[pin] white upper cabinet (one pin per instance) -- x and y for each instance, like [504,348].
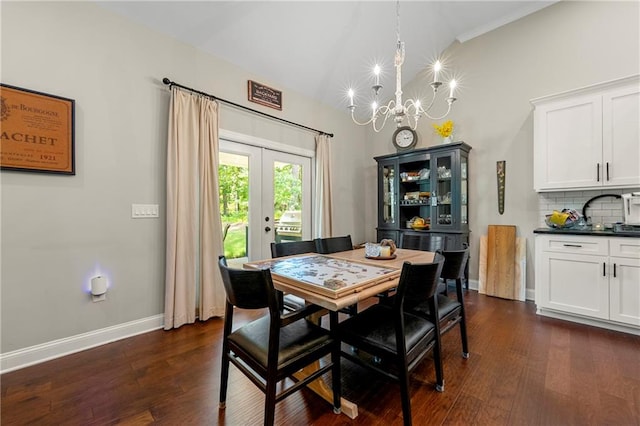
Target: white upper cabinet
[621,136]
[588,138]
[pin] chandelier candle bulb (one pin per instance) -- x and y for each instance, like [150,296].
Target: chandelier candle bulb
[436,70]
[452,86]
[376,71]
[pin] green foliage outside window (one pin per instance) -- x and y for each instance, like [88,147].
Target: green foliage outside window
[234,201]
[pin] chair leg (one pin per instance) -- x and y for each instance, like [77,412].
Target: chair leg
[404,394]
[437,360]
[463,321]
[270,400]
[224,378]
[336,381]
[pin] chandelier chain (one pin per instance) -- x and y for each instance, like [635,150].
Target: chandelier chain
[398,20]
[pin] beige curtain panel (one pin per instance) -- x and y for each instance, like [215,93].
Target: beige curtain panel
[193,287]
[324,205]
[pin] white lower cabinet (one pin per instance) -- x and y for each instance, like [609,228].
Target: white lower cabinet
[624,291]
[589,277]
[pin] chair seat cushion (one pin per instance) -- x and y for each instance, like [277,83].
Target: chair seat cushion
[375,328]
[296,340]
[446,306]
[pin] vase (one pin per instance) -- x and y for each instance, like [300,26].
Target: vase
[446,140]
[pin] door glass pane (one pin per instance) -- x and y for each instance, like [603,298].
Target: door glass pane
[287,201]
[443,191]
[233,174]
[388,195]
[464,214]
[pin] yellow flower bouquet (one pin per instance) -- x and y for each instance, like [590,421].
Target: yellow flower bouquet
[445,129]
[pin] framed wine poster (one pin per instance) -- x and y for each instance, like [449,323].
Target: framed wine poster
[36,131]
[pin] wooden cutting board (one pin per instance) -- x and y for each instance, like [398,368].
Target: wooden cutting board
[520,267]
[501,254]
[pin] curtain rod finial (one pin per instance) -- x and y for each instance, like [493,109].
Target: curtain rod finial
[166,80]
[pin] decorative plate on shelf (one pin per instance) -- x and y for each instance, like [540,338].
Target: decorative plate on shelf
[393,256]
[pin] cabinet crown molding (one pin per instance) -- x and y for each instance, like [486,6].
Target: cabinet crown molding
[594,88]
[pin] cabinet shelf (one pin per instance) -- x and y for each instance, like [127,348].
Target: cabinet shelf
[418,181]
[418,204]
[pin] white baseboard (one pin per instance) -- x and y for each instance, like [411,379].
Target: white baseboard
[530,293]
[473,284]
[609,325]
[55,349]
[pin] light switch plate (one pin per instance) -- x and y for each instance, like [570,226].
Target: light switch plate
[144,211]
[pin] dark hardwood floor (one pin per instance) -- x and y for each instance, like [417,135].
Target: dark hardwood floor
[524,370]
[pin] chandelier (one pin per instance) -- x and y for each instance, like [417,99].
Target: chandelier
[412,110]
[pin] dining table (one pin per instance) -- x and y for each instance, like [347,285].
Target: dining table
[335,281]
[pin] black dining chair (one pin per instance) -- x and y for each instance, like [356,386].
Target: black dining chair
[333,244]
[273,347]
[391,341]
[425,242]
[291,301]
[451,312]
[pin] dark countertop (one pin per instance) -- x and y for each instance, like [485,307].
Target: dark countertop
[586,231]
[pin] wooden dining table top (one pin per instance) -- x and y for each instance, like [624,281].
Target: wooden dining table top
[353,294]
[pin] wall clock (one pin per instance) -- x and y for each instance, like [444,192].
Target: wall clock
[404,138]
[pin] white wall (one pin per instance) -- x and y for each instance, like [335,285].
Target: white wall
[59,231]
[567,45]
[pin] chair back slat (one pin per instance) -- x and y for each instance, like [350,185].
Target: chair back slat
[454,264]
[247,288]
[418,282]
[292,247]
[333,244]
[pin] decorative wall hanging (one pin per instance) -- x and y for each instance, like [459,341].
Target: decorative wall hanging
[501,172]
[265,95]
[37,131]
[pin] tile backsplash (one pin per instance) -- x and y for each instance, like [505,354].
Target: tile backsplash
[604,210]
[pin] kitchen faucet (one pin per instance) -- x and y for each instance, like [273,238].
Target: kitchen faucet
[584,208]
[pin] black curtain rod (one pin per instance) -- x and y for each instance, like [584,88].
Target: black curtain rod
[173,83]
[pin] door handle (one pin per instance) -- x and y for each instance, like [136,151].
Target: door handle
[614,271]
[598,173]
[604,269]
[607,171]
[267,229]
[572,245]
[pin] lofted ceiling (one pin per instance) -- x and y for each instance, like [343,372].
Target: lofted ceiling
[321,48]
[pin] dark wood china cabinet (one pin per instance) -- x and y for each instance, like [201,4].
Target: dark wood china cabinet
[430,183]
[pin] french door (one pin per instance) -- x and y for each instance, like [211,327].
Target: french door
[265,196]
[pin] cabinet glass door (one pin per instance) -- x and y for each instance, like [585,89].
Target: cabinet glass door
[388,194]
[464,197]
[444,188]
